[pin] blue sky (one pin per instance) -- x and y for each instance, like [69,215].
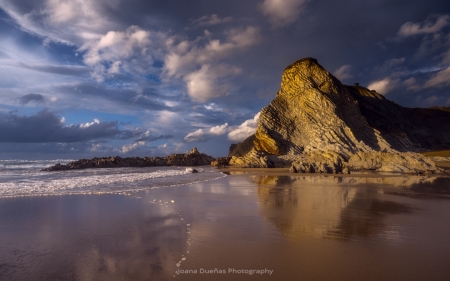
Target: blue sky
[85,78]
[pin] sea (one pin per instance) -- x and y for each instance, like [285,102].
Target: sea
[26,178]
[167,223]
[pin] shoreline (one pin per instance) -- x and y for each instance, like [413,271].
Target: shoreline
[232,170]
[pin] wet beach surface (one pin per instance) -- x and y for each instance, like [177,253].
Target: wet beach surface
[296,227]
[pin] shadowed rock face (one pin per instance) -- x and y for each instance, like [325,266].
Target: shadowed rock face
[314,111]
[405,129]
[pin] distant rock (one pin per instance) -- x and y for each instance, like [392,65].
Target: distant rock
[325,126]
[221,162]
[193,158]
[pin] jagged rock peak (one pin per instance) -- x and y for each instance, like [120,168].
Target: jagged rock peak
[313,110]
[194,151]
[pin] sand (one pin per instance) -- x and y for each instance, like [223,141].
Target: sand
[287,226]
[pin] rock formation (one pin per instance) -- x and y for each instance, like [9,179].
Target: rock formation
[314,114]
[193,158]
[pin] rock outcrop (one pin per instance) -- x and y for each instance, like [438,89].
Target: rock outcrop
[193,158]
[314,114]
[255,159]
[221,162]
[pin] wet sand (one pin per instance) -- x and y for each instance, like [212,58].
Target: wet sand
[302,227]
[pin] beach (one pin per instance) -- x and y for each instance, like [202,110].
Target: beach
[249,225]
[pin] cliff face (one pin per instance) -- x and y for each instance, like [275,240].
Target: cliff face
[405,129]
[314,111]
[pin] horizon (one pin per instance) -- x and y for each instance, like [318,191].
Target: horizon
[83,79]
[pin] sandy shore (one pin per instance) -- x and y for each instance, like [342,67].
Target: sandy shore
[252,225]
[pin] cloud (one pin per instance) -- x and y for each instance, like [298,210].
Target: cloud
[134,146]
[203,135]
[343,72]
[67,21]
[243,131]
[411,84]
[282,12]
[426,27]
[72,70]
[149,138]
[383,86]
[132,51]
[440,79]
[45,126]
[200,67]
[211,20]
[36,98]
[209,81]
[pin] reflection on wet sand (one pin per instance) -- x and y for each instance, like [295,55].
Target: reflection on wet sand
[109,237]
[334,207]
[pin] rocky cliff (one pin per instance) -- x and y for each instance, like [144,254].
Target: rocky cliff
[314,112]
[193,158]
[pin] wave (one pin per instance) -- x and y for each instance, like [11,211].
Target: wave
[100,180]
[17,164]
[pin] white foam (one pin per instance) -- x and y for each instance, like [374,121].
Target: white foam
[16,164]
[16,183]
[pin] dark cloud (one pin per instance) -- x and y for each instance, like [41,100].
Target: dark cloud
[154,138]
[147,98]
[45,126]
[36,98]
[73,70]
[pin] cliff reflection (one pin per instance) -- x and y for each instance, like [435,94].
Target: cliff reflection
[330,207]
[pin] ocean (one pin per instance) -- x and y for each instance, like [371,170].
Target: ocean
[25,178]
[167,223]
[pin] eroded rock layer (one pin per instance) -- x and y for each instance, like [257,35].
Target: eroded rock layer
[314,113]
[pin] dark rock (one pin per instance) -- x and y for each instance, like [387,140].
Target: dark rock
[292,169]
[242,148]
[221,162]
[193,158]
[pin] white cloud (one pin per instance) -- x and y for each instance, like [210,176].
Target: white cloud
[95,147]
[202,135]
[108,48]
[70,21]
[130,147]
[201,68]
[87,125]
[282,12]
[212,107]
[243,131]
[383,86]
[211,20]
[219,130]
[343,72]
[410,28]
[132,50]
[204,83]
[442,78]
[63,11]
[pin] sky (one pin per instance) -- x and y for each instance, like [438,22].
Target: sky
[86,78]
